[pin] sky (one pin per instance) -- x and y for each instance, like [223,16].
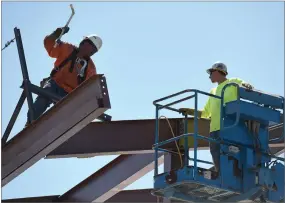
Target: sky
[150,50]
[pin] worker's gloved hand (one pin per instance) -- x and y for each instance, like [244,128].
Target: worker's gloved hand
[59,30]
[247,86]
[62,29]
[187,111]
[44,80]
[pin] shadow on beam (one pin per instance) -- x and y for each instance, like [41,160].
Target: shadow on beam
[61,122]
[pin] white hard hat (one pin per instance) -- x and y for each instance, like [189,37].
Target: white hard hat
[219,66]
[96,40]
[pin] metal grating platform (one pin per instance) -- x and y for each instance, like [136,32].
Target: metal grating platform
[195,191]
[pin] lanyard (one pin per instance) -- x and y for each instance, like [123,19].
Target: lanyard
[80,71]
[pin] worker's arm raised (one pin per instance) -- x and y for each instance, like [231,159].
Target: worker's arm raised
[49,43]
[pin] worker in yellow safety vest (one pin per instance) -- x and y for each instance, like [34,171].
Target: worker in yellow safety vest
[218,74]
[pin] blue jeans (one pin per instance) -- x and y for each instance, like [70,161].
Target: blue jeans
[42,103]
[215,149]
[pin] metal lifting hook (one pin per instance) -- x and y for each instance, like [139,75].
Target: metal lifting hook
[66,25]
[81,71]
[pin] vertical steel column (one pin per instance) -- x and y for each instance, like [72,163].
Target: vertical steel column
[156,140]
[195,134]
[25,73]
[186,148]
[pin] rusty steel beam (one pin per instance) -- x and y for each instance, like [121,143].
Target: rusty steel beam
[61,122]
[126,137]
[110,179]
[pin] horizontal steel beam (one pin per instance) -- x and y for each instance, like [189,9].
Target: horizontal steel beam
[143,195]
[61,122]
[125,137]
[112,178]
[130,137]
[53,198]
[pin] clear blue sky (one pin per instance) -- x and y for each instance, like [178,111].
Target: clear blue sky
[150,50]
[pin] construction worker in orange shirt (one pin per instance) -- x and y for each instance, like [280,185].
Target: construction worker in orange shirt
[72,66]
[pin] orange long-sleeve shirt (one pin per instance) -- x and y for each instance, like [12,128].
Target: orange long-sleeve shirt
[64,78]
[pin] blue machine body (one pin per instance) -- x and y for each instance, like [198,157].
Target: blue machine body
[247,169]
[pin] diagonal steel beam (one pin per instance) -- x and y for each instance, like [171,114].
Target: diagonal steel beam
[127,137]
[277,151]
[61,122]
[113,177]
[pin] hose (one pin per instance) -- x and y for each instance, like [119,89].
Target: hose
[171,129]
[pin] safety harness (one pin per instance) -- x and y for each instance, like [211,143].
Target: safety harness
[81,75]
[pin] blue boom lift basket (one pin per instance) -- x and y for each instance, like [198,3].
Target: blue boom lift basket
[247,168]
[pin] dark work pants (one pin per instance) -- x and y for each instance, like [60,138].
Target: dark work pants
[42,103]
[215,150]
